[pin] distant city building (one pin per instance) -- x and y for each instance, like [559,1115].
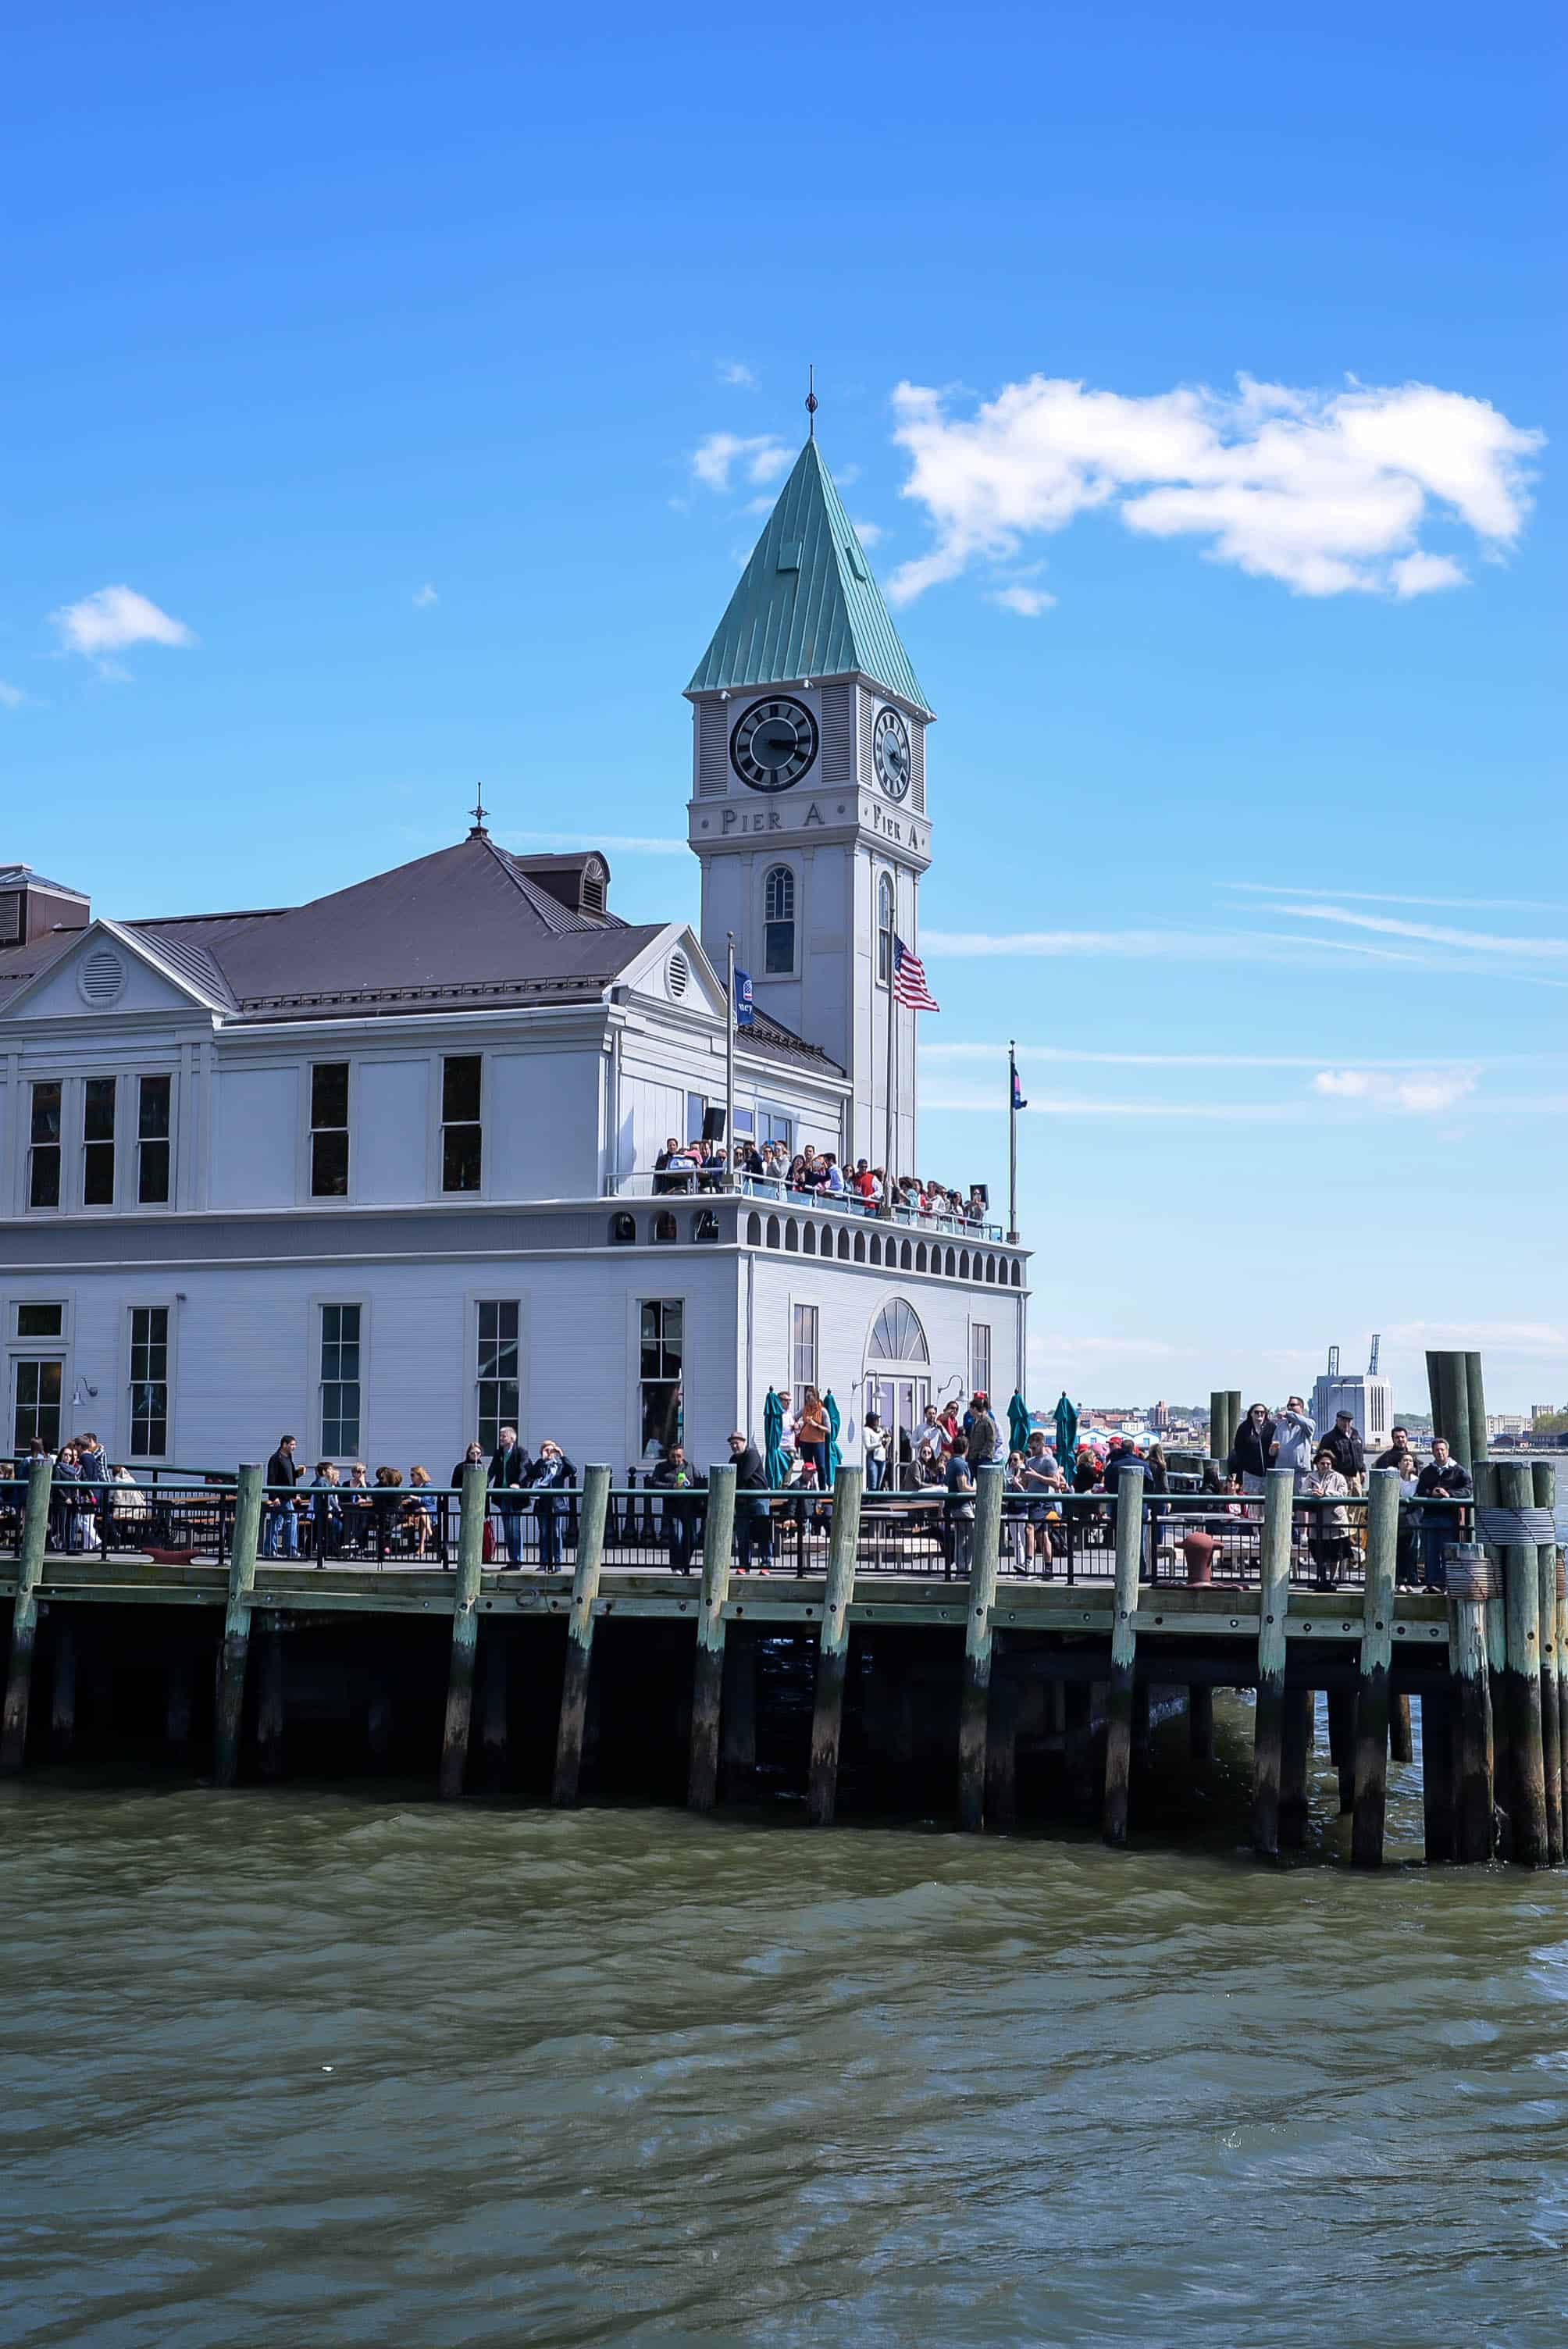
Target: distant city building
[1368,1398]
[1160,1417]
[1505,1422]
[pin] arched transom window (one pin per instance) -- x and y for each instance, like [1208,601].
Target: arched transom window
[897,1336]
[779,920]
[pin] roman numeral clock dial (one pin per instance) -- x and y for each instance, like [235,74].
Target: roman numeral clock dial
[889,752]
[773,744]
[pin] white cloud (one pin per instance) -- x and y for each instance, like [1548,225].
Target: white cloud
[1490,942]
[1165,945]
[425,595]
[733,371]
[1422,1094]
[1027,601]
[1389,898]
[1084,1055]
[1188,1111]
[1325,490]
[869,532]
[758,459]
[1506,1337]
[618,844]
[11,696]
[112,618]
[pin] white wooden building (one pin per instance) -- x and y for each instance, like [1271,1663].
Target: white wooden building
[375,1171]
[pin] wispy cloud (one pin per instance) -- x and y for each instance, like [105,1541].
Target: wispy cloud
[1487,942]
[736,373]
[1085,1056]
[424,597]
[1527,1337]
[11,696]
[757,459]
[1028,603]
[1331,889]
[1422,1094]
[612,843]
[111,619]
[869,532]
[1153,945]
[1327,491]
[1086,1105]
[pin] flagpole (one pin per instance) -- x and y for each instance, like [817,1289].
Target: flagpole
[1012,1143]
[729,1181]
[892,1057]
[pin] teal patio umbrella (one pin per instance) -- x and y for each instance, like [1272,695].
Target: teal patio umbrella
[1017,1424]
[776,1460]
[834,1456]
[1066,1418]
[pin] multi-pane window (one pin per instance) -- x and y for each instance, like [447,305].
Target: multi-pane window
[777,1127]
[329,1135]
[339,1380]
[659,1372]
[697,1114]
[40,1321]
[802,1350]
[884,929]
[153,1107]
[462,1135]
[779,920]
[44,1153]
[149,1382]
[37,1411]
[97,1141]
[499,1399]
[980,1358]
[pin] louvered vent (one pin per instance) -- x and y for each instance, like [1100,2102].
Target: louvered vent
[101,978]
[838,734]
[867,709]
[917,769]
[593,886]
[712,748]
[679,973]
[10,917]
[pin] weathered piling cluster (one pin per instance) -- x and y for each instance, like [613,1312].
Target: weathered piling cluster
[1024,1697]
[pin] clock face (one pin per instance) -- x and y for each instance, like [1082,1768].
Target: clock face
[773,743]
[889,749]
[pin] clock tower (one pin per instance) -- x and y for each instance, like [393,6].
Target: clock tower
[809,806]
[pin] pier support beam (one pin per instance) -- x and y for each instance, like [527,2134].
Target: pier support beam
[1562,1681]
[1077,1742]
[1401,1742]
[1342,1743]
[1001,1742]
[975,1703]
[1543,1487]
[379,1730]
[1438,1775]
[1200,1724]
[1526,1771]
[579,1665]
[270,1699]
[1296,1754]
[1471,1581]
[1123,1653]
[494,1709]
[707,1671]
[230,1706]
[833,1653]
[465,1635]
[1269,1727]
[1370,1791]
[737,1768]
[25,1619]
[179,1697]
[63,1699]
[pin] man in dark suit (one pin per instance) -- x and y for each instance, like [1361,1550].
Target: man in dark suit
[281,1523]
[753,1518]
[509,1468]
[680,1482]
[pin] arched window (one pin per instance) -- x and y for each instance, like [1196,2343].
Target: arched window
[859,1247]
[809,1241]
[876,1248]
[951,1265]
[920,1258]
[1018,1274]
[843,1245]
[705,1224]
[906,1257]
[990,1271]
[623,1231]
[664,1226]
[772,1231]
[754,1231]
[884,929]
[778,921]
[792,1235]
[897,1336]
[964,1266]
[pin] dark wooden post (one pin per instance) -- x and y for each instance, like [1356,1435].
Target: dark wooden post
[975,1702]
[833,1653]
[1201,1722]
[1295,1751]
[1543,1487]
[1370,1791]
[1273,1601]
[178,1700]
[465,1634]
[738,1742]
[63,1702]
[1526,1774]
[1342,1743]
[1077,1742]
[1438,1774]
[1401,1742]
[1470,1582]
[270,1699]
[1123,1653]
[494,1706]
[230,1706]
[25,1617]
[1002,1740]
[707,1671]
[580,1637]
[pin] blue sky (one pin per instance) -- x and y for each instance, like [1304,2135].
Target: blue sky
[376,358]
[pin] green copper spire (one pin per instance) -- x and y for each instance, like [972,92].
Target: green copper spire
[807,604]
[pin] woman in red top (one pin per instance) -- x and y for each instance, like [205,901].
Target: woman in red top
[811,1434]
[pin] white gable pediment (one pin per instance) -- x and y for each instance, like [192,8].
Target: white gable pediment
[108,973]
[674,972]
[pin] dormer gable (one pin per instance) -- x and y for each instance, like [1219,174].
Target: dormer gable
[110,971]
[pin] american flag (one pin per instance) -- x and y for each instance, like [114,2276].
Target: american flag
[909,984]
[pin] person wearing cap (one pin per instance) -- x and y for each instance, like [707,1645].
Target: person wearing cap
[753,1518]
[1342,1443]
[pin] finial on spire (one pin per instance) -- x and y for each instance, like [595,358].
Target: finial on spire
[479,812]
[811,402]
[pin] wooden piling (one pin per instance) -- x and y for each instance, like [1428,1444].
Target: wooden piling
[1526,1770]
[1123,1653]
[974,1704]
[833,1648]
[1077,1742]
[1475,1803]
[270,1700]
[1401,1741]
[1475,1396]
[1269,1722]
[1448,1379]
[1001,1742]
[738,1736]
[465,1634]
[707,1670]
[493,1707]
[1369,1793]
[1543,1491]
[63,1696]
[25,1619]
[230,1704]
[1201,1722]
[179,1698]
[1438,1775]
[1342,1743]
[579,1665]
[1295,1751]
[1562,1681]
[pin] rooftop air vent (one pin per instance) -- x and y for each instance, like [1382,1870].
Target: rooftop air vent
[101,980]
[679,973]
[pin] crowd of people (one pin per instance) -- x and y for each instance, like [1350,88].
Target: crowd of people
[1332,1468]
[90,1495]
[812,1174]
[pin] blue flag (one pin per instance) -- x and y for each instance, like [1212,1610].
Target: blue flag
[743,999]
[1018,1100]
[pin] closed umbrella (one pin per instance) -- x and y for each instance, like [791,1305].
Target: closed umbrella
[1018,1425]
[831,1409]
[1066,1418]
[777,1463]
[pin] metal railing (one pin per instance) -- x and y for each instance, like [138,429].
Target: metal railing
[674,1182]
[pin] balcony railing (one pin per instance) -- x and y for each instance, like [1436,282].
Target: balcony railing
[649,1182]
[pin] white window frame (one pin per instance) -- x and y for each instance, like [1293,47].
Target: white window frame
[790,865]
[36,1350]
[981,1330]
[330,1200]
[133,1145]
[471,1402]
[69,1119]
[439,1100]
[315,1382]
[78,1205]
[656,1295]
[134,1304]
[886,889]
[797,1384]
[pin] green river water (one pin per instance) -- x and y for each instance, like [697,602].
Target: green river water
[323,2066]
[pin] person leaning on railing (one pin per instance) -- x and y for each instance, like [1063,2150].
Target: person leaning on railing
[679,1483]
[1329,1539]
[1443,1479]
[550,1480]
[753,1511]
